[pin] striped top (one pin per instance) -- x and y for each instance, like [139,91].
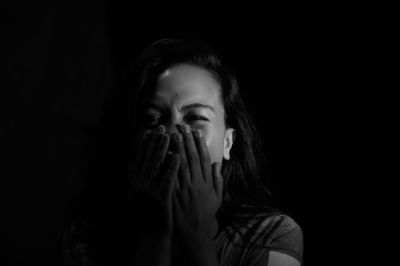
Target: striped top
[248,239]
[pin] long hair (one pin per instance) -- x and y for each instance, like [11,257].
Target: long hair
[243,174]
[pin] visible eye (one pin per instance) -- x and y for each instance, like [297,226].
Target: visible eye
[195,117]
[151,119]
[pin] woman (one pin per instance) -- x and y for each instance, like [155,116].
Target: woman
[196,197]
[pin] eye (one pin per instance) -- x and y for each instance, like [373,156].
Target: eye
[151,119]
[195,117]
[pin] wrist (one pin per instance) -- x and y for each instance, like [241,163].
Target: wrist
[209,230]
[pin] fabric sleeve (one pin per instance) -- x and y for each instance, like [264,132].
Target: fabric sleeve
[287,238]
[277,233]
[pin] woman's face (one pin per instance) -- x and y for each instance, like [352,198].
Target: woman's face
[188,94]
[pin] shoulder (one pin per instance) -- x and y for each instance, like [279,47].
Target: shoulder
[260,231]
[274,230]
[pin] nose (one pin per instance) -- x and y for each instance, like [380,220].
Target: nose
[170,127]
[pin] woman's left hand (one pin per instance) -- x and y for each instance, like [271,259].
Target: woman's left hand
[198,195]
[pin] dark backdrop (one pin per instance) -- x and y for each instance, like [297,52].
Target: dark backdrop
[308,72]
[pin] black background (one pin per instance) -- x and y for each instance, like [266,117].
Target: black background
[308,71]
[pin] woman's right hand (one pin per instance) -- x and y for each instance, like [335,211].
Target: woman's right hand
[153,174]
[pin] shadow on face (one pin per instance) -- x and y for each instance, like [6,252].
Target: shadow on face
[189,95]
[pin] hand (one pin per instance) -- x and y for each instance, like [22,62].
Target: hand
[153,174]
[198,195]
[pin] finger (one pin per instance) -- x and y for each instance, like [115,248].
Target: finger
[178,203]
[191,153]
[161,151]
[176,208]
[148,154]
[177,182]
[184,172]
[139,154]
[148,159]
[171,175]
[166,164]
[217,179]
[158,181]
[204,155]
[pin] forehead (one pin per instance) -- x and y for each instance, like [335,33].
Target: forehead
[187,83]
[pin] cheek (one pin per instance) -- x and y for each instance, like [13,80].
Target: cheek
[215,146]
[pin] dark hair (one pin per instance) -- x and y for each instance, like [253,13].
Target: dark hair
[244,171]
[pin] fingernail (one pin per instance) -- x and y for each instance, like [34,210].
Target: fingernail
[160,129]
[198,133]
[178,137]
[187,128]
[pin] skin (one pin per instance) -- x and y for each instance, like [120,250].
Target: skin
[185,115]
[179,90]
[178,166]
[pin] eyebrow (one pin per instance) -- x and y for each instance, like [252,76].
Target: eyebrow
[189,106]
[198,105]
